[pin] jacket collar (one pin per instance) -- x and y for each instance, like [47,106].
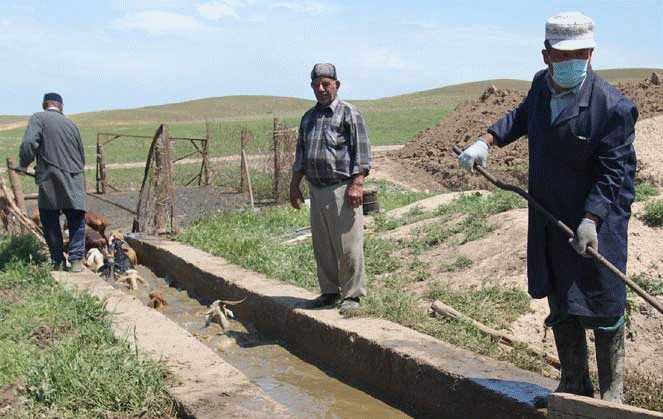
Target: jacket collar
[333,106]
[582,100]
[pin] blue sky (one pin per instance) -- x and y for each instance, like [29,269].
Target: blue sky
[122,54]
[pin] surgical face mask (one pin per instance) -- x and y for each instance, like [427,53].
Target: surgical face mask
[570,73]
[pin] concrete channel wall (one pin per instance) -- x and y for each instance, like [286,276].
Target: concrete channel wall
[570,406]
[205,386]
[415,372]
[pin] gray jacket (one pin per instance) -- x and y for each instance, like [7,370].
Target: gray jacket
[55,142]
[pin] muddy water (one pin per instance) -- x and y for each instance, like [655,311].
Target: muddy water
[304,389]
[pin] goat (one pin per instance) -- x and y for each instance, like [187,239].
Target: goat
[131,278]
[96,222]
[95,259]
[219,313]
[93,220]
[94,240]
[131,253]
[157,301]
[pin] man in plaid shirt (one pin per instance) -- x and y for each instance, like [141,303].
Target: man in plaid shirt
[334,154]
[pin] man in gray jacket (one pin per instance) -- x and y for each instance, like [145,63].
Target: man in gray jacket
[55,142]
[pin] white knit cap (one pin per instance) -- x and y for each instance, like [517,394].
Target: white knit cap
[570,31]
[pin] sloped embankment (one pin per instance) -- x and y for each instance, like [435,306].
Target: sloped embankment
[432,151]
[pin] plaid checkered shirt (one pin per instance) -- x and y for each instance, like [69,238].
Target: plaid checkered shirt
[333,144]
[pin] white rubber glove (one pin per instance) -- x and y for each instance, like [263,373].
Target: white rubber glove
[586,236]
[476,153]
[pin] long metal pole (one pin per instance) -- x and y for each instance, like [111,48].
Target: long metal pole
[569,233]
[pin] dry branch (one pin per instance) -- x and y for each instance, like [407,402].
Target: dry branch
[440,308]
[10,213]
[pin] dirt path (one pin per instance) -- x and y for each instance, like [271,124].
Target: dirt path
[12,125]
[382,149]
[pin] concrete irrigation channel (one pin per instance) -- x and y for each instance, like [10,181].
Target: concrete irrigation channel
[328,366]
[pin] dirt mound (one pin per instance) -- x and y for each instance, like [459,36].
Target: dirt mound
[431,149]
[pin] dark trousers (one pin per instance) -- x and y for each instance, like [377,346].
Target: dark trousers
[50,221]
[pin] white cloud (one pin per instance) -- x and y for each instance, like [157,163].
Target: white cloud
[382,59]
[306,7]
[257,19]
[217,10]
[155,22]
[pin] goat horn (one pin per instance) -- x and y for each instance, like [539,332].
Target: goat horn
[231,302]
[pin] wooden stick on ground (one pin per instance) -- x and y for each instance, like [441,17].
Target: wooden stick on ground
[447,311]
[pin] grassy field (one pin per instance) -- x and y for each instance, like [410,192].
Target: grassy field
[389,126]
[58,355]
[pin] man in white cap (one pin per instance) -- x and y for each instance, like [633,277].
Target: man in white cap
[581,168]
[334,154]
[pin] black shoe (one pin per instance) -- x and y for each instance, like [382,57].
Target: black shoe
[324,300]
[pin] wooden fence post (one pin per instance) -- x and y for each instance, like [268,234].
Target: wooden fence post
[242,168]
[247,173]
[15,183]
[204,178]
[277,164]
[101,167]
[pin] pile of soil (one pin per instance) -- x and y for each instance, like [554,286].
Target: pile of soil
[431,150]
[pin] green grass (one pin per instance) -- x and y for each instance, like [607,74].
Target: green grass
[460,263]
[392,196]
[473,211]
[644,191]
[653,286]
[383,222]
[254,241]
[493,306]
[653,215]
[57,349]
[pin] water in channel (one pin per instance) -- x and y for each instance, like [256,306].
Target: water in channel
[305,390]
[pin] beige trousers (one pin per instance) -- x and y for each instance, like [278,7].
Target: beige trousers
[338,241]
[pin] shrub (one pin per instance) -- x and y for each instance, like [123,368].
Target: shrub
[644,191]
[653,216]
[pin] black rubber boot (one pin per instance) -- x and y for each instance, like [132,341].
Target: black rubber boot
[610,363]
[571,346]
[572,350]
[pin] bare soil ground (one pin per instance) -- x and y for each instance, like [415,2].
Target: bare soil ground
[432,151]
[500,257]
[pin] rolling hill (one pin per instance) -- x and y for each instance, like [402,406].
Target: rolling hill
[247,108]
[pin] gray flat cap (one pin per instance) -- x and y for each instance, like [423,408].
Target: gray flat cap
[323,70]
[570,31]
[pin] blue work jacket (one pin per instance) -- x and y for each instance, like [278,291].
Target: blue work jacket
[582,162]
